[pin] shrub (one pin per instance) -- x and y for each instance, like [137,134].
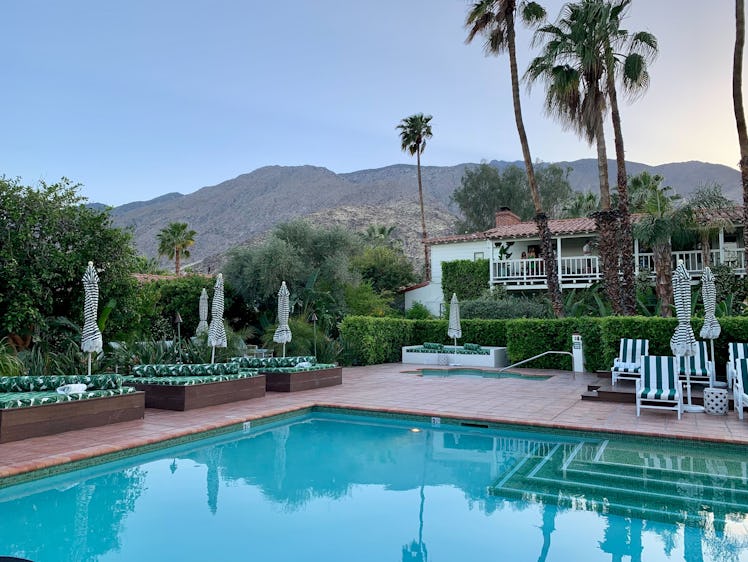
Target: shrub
[418,312]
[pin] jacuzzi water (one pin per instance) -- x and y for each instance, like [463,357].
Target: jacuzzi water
[351,488]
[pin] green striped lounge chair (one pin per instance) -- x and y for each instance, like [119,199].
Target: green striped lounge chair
[698,367]
[737,351]
[627,364]
[659,387]
[740,386]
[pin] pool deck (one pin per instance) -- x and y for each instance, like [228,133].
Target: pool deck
[555,403]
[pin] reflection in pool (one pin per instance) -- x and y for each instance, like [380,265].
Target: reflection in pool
[330,487]
[481,373]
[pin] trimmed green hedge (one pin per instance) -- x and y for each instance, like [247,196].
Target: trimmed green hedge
[379,340]
[467,278]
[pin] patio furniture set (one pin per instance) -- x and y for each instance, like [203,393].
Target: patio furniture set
[660,380]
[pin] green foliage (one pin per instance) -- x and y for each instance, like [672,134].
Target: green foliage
[466,278]
[484,190]
[362,300]
[47,238]
[418,312]
[511,307]
[303,341]
[386,268]
[527,338]
[10,365]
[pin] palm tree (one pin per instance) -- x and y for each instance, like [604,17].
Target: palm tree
[663,219]
[494,19]
[582,204]
[414,131]
[573,70]
[707,202]
[625,55]
[174,242]
[737,102]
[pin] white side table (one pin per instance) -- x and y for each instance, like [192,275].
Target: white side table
[715,401]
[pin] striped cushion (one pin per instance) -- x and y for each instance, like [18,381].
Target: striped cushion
[696,364]
[660,378]
[631,351]
[742,371]
[737,351]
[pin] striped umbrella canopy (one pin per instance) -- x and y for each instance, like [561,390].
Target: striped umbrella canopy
[91,342]
[454,330]
[711,328]
[202,326]
[217,331]
[283,332]
[683,341]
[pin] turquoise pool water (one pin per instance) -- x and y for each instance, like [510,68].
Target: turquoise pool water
[468,372]
[348,488]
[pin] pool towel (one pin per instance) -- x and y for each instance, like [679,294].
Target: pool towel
[71,389]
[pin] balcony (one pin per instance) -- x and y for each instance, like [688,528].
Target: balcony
[583,271]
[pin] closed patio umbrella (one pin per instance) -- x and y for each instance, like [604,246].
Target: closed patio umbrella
[683,342]
[202,326]
[217,331]
[91,341]
[711,328]
[454,330]
[283,332]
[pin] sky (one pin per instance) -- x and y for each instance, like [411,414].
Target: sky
[135,99]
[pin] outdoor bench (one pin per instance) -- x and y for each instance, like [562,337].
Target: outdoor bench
[291,374]
[30,406]
[186,386]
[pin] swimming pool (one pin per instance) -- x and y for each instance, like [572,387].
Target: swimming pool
[354,488]
[468,372]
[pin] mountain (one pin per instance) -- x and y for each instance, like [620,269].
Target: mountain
[246,208]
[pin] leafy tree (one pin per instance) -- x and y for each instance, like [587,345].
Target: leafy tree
[175,241]
[377,234]
[484,190]
[414,132]
[47,236]
[494,19]
[706,203]
[387,269]
[737,102]
[664,218]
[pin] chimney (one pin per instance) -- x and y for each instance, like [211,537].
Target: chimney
[505,217]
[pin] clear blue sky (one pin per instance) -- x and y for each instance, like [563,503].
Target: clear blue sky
[140,98]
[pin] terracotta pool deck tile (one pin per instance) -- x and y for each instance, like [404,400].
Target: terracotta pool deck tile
[555,402]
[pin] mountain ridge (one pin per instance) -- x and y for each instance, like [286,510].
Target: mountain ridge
[245,208]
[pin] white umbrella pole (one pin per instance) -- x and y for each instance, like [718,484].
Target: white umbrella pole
[89,363]
[284,349]
[213,355]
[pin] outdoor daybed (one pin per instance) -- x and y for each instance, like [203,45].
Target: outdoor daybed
[187,386]
[30,406]
[469,355]
[291,374]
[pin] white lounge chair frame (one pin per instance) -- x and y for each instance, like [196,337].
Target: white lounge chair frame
[737,350]
[740,386]
[627,364]
[659,375]
[696,364]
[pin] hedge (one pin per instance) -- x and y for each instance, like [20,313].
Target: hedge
[467,278]
[379,340]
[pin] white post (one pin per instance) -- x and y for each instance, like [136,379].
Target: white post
[558,263]
[577,353]
[636,257]
[721,246]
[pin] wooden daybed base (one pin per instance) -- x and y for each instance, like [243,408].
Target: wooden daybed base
[303,380]
[188,397]
[48,419]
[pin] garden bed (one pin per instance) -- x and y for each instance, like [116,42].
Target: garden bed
[31,407]
[292,374]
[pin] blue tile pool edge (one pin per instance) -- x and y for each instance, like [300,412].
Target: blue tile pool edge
[435,420]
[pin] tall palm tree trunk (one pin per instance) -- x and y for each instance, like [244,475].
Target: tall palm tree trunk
[625,231]
[177,260]
[606,221]
[663,263]
[541,219]
[737,101]
[427,261]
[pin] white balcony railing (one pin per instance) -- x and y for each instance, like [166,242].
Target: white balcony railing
[581,271]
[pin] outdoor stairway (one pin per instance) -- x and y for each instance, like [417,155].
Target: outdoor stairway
[628,479]
[624,392]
